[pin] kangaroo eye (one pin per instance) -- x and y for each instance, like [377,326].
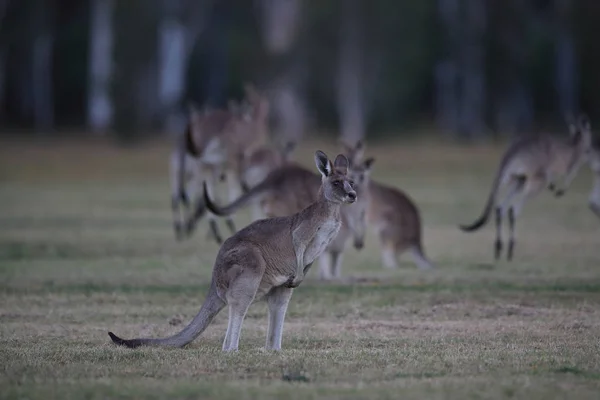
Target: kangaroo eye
[351,184]
[337,183]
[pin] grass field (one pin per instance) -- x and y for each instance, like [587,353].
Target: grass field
[86,246]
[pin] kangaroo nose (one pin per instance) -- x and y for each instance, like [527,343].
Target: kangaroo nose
[352,196]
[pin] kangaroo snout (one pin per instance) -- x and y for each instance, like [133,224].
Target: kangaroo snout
[351,196]
[359,244]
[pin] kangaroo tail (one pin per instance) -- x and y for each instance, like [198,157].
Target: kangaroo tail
[211,307]
[241,201]
[491,200]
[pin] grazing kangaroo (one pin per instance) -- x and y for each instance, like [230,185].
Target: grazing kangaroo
[292,187]
[529,165]
[394,217]
[267,259]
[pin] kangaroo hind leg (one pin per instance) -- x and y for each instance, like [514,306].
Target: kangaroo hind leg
[240,295]
[527,189]
[514,187]
[277,300]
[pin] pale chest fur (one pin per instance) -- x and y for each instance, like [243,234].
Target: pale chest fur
[322,238]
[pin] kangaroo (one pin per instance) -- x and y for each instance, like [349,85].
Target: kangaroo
[594,198]
[529,165]
[394,218]
[267,260]
[187,168]
[290,188]
[354,221]
[217,139]
[254,167]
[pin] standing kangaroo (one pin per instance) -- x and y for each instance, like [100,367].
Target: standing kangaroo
[394,217]
[594,198]
[529,165]
[187,168]
[288,189]
[216,140]
[267,259]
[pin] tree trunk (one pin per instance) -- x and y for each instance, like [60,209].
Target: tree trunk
[178,31]
[447,70]
[216,77]
[514,112]
[3,64]
[100,106]
[279,22]
[566,63]
[473,99]
[42,53]
[172,61]
[351,96]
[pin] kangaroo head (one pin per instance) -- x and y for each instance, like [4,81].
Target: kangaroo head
[336,185]
[356,216]
[355,152]
[580,132]
[259,102]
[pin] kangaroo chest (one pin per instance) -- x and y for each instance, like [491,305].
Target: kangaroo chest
[322,238]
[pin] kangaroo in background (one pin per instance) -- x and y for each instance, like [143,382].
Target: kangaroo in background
[394,217]
[267,259]
[217,140]
[253,169]
[187,169]
[292,187]
[594,198]
[529,165]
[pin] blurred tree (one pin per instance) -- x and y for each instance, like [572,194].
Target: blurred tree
[100,106]
[181,23]
[353,65]
[565,53]
[43,17]
[3,58]
[280,22]
[447,70]
[350,87]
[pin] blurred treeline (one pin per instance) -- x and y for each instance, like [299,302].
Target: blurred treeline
[470,68]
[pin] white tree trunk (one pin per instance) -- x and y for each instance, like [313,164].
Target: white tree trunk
[172,61]
[100,106]
[350,89]
[279,23]
[178,31]
[289,110]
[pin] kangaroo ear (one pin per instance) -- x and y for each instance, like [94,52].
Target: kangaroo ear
[289,147]
[323,164]
[360,145]
[346,148]
[584,122]
[341,164]
[570,119]
[369,163]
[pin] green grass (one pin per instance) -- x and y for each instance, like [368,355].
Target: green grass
[86,246]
